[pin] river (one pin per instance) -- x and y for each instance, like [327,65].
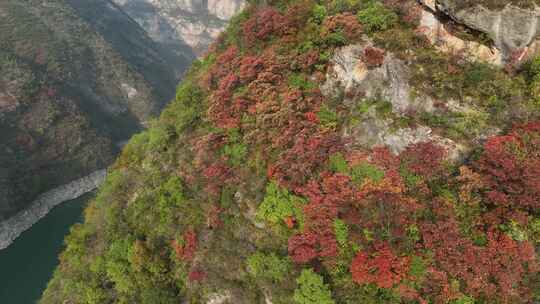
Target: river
[27,265]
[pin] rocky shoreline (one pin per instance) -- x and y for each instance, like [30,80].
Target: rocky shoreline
[12,228]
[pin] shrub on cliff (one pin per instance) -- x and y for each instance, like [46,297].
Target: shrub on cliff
[312,289]
[376,17]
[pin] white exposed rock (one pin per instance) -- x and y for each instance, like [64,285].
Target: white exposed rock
[390,81]
[189,5]
[373,132]
[514,30]
[347,71]
[444,41]
[225,9]
[130,91]
[430,4]
[11,228]
[219,298]
[349,74]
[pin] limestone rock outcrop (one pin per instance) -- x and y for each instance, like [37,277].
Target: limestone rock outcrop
[513,29]
[351,77]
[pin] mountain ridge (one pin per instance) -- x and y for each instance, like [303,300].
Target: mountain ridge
[328,152]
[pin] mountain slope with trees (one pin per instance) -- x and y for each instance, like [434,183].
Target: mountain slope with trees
[77,78]
[326,152]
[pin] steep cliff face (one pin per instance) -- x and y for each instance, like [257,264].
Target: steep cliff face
[513,26]
[75,79]
[175,22]
[327,152]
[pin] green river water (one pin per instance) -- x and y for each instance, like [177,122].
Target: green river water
[27,265]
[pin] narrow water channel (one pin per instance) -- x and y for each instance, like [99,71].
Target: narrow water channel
[27,265]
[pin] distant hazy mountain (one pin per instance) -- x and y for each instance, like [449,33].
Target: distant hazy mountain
[77,76]
[197,22]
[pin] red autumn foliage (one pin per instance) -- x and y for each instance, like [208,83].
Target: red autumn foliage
[309,59]
[438,287]
[222,109]
[186,250]
[250,66]
[515,58]
[497,271]
[196,275]
[410,11]
[382,268]
[346,23]
[216,174]
[227,84]
[312,117]
[333,189]
[51,92]
[510,166]
[409,293]
[228,56]
[190,246]
[385,207]
[307,153]
[203,146]
[216,171]
[226,63]
[283,120]
[302,247]
[262,24]
[382,157]
[296,16]
[424,158]
[373,57]
[325,200]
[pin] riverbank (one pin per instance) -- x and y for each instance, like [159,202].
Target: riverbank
[12,228]
[28,263]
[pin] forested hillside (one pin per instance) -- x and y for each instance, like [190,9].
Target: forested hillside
[75,80]
[325,152]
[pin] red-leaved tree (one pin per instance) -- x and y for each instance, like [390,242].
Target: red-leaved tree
[382,267]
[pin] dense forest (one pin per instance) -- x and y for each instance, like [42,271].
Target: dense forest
[259,183]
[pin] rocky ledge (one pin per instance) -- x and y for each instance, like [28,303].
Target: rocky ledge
[514,30]
[12,228]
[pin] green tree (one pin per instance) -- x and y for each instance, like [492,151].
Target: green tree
[364,170]
[311,289]
[268,266]
[464,300]
[342,232]
[338,163]
[318,13]
[328,117]
[279,204]
[376,17]
[186,108]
